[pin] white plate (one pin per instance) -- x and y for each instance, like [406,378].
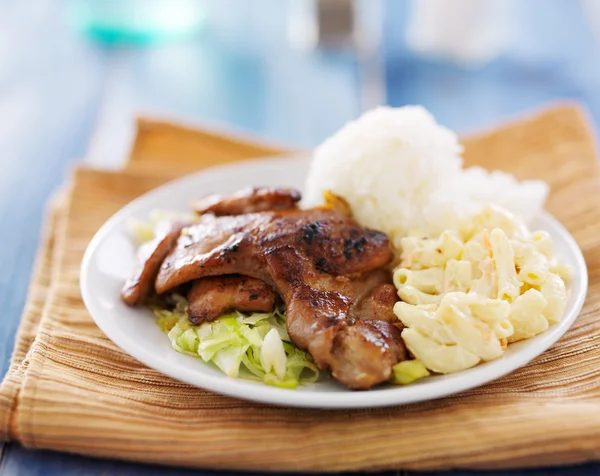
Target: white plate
[110,259]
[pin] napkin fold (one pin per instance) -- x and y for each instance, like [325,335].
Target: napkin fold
[71,389]
[32,313]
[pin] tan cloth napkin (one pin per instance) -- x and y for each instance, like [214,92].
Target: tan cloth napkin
[174,149]
[77,392]
[34,305]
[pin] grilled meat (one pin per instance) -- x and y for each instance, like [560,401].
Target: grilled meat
[345,322]
[327,269]
[249,200]
[331,242]
[151,254]
[211,297]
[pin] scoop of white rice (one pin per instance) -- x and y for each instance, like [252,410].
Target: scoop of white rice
[401,172]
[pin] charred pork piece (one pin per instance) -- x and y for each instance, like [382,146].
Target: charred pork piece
[212,297]
[249,200]
[345,322]
[327,269]
[151,255]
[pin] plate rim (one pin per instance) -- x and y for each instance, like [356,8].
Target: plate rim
[392,396]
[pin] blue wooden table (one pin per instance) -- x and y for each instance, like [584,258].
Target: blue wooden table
[60,92]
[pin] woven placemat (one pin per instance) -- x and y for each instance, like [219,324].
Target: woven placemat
[37,295]
[160,149]
[175,149]
[79,393]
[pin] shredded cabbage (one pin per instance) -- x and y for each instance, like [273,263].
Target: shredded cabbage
[258,342]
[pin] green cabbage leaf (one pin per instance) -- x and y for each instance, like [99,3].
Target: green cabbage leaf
[256,344]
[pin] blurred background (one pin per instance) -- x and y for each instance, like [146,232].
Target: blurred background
[74,74]
[292,71]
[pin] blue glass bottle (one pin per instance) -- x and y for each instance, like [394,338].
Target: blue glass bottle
[136,21]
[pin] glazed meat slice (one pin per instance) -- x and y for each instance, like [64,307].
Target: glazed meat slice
[346,323]
[331,242]
[378,303]
[250,200]
[211,249]
[325,266]
[210,298]
[151,255]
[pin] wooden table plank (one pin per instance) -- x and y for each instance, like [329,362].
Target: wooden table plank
[47,114]
[591,469]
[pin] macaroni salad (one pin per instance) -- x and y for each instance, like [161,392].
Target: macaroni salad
[468,293]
